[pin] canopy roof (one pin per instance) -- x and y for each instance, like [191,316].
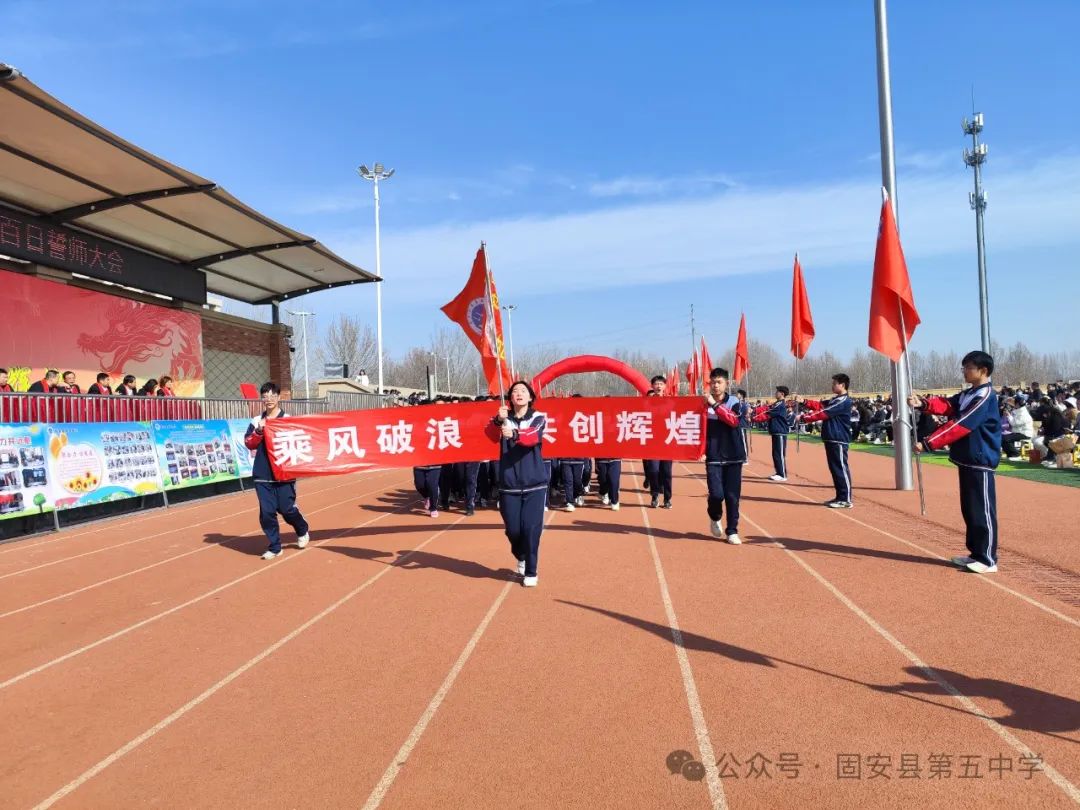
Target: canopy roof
[61,166]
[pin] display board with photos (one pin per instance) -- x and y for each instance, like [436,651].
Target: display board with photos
[103,461]
[24,471]
[195,453]
[245,458]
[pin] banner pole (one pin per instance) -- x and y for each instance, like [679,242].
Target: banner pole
[491,322]
[798,409]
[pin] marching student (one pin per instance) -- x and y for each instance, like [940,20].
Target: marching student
[572,478]
[658,474]
[836,434]
[725,454]
[608,476]
[523,480]
[778,418]
[426,481]
[973,434]
[276,496]
[101,387]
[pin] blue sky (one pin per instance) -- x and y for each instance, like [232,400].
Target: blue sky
[621,159]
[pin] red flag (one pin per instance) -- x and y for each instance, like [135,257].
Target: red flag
[742,353]
[891,300]
[802,322]
[706,361]
[472,310]
[692,375]
[673,381]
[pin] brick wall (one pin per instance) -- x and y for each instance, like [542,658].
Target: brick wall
[235,348]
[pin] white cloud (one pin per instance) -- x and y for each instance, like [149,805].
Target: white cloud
[644,186]
[736,231]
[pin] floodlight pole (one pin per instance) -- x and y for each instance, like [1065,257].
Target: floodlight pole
[303,316]
[901,373]
[975,157]
[375,176]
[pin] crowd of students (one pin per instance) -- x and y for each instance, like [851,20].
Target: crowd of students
[53,382]
[523,485]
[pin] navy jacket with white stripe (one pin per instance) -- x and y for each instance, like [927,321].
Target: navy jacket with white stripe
[974,432]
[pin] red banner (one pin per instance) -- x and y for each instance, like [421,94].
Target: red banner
[610,427]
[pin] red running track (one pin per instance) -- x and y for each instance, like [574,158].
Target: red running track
[832,660]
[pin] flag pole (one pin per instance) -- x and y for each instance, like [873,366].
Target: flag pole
[798,433]
[911,421]
[491,323]
[900,372]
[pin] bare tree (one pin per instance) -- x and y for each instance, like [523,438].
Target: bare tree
[347,340]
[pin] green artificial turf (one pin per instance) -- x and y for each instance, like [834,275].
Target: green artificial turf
[1018,469]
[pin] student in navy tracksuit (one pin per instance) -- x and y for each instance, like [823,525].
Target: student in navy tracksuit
[778,418]
[836,433]
[973,435]
[276,497]
[608,476]
[658,474]
[725,453]
[426,481]
[523,480]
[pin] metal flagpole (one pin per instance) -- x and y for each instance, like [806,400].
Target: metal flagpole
[489,305]
[901,374]
[798,433]
[911,412]
[693,348]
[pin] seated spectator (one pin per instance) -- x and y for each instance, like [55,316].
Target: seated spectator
[1053,428]
[127,387]
[102,386]
[5,386]
[68,386]
[878,426]
[166,387]
[1017,427]
[149,388]
[48,384]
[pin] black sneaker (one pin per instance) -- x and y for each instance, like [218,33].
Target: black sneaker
[469,512]
[655,501]
[667,505]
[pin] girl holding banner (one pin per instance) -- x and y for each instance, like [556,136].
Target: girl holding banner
[523,479]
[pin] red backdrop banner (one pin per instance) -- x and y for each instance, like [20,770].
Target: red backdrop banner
[617,427]
[47,324]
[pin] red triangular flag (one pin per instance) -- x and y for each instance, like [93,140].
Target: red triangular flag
[802,322]
[473,311]
[692,375]
[891,300]
[742,353]
[706,361]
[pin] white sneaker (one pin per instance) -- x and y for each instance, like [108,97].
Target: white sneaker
[714,527]
[615,507]
[839,504]
[521,568]
[529,582]
[605,500]
[569,507]
[977,567]
[269,555]
[545,508]
[734,539]
[775,477]
[962,562]
[579,501]
[302,541]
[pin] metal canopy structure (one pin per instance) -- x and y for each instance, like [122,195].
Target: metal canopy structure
[63,168]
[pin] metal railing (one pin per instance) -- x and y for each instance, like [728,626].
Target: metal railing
[21,408]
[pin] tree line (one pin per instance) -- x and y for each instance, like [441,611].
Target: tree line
[455,362]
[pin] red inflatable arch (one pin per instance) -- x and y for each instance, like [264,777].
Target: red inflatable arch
[590,362]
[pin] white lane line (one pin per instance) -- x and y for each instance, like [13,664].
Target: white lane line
[384,784]
[206,547]
[697,713]
[402,756]
[131,745]
[139,539]
[988,579]
[969,705]
[130,628]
